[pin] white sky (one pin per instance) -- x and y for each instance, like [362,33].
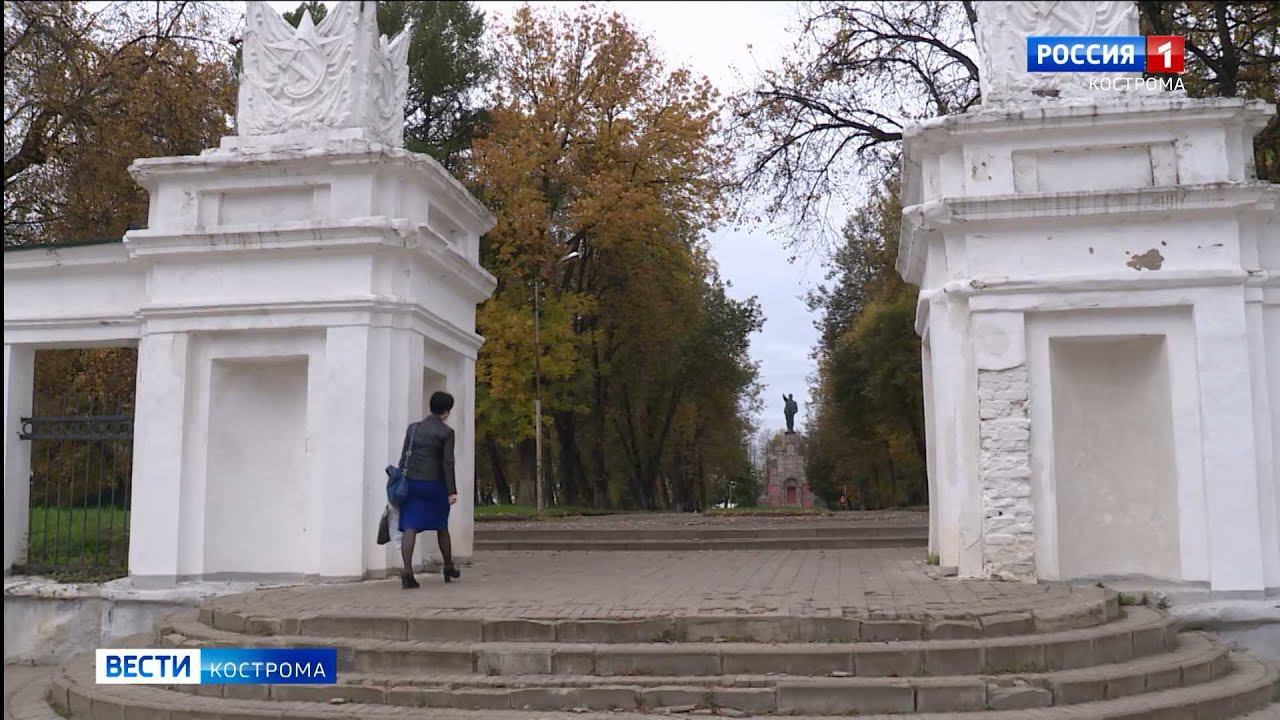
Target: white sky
[728,42]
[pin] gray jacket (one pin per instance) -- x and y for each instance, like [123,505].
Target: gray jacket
[428,452]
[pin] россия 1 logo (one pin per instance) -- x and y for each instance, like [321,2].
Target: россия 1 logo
[1166,54]
[1159,54]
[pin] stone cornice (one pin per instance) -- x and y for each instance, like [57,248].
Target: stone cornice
[148,172]
[71,321]
[925,220]
[366,309]
[369,232]
[370,310]
[1130,281]
[949,129]
[1062,286]
[1004,209]
[40,258]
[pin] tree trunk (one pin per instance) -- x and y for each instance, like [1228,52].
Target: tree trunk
[601,470]
[551,488]
[641,480]
[700,478]
[599,466]
[570,466]
[1229,72]
[501,488]
[893,481]
[528,471]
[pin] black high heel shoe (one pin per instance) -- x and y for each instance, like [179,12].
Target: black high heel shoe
[408,582]
[451,573]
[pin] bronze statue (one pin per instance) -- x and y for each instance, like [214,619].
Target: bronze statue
[790,409]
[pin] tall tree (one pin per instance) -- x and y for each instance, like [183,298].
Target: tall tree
[861,269]
[595,148]
[833,110]
[867,431]
[88,92]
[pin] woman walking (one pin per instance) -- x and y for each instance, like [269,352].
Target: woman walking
[428,463]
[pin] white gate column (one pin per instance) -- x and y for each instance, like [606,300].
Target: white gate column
[463,420]
[1230,460]
[19,376]
[159,431]
[347,456]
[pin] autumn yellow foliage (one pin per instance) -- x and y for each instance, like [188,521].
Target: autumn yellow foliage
[594,147]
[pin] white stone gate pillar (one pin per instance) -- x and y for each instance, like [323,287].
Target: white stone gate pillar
[1235,515]
[354,419]
[159,433]
[1004,454]
[19,376]
[462,517]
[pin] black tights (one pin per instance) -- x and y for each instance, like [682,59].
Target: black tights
[410,539]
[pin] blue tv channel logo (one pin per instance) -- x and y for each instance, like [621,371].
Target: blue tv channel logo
[220,666]
[1086,53]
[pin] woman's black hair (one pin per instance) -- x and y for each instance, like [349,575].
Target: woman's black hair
[441,403]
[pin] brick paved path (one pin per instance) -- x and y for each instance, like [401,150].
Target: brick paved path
[881,582]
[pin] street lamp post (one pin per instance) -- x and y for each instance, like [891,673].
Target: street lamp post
[537,379]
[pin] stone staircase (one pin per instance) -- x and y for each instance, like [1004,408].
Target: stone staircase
[1084,659]
[798,536]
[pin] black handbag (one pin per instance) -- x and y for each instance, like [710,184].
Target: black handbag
[384,528]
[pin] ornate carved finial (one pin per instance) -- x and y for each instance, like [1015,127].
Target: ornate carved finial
[1002,32]
[339,74]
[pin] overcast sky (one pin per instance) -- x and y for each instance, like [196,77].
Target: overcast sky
[729,42]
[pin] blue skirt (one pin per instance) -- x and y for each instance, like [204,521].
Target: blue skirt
[426,508]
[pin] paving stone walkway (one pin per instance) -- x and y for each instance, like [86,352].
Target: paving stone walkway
[889,582]
[623,521]
[24,693]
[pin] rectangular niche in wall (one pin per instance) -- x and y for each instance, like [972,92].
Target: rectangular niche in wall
[432,382]
[1113,457]
[256,483]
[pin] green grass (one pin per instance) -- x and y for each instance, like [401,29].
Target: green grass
[781,511]
[529,512]
[78,544]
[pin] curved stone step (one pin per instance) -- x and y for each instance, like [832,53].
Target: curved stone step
[1197,660]
[1250,685]
[822,532]
[767,543]
[1141,633]
[1083,609]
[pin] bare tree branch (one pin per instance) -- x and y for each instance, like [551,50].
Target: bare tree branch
[835,110]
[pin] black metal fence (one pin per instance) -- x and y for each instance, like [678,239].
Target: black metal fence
[79,503]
